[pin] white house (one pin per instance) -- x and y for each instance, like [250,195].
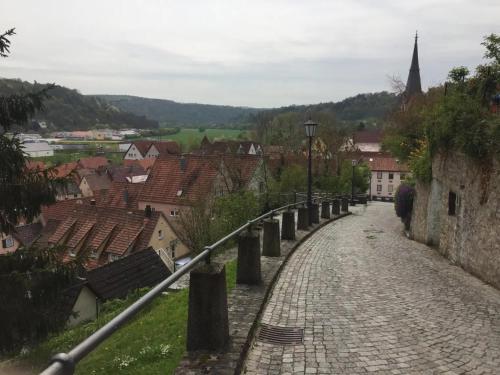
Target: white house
[386,176]
[38,149]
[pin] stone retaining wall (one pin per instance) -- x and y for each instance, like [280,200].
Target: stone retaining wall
[471,236]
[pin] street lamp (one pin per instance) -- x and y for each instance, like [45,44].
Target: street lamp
[310,127]
[354,163]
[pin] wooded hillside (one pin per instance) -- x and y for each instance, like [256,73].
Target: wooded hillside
[67,109]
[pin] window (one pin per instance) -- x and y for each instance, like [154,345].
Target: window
[391,176]
[390,188]
[160,234]
[379,187]
[452,203]
[7,242]
[113,257]
[174,212]
[379,175]
[402,176]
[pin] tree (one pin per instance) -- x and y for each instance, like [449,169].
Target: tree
[22,191]
[32,280]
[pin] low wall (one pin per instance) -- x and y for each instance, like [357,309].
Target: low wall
[469,236]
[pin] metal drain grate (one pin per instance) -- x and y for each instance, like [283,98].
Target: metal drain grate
[280,335]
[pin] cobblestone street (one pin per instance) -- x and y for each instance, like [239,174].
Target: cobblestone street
[372,301]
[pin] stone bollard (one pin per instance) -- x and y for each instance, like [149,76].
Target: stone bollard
[248,263]
[325,210]
[336,207]
[303,219]
[208,325]
[345,204]
[315,213]
[288,225]
[271,246]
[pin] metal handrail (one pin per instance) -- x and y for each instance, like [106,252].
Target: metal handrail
[64,363]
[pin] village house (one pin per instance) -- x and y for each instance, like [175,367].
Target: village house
[105,233]
[22,236]
[228,147]
[145,149]
[91,184]
[113,280]
[367,140]
[386,176]
[178,182]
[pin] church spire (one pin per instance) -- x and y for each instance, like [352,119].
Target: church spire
[413,85]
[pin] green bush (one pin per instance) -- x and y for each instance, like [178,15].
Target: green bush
[403,203]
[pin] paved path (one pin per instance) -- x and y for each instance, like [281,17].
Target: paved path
[372,301]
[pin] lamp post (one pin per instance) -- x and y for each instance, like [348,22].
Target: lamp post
[310,127]
[354,163]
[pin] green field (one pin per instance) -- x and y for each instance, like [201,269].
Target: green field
[189,138]
[152,343]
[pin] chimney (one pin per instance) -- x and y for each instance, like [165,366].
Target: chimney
[183,163]
[92,202]
[148,211]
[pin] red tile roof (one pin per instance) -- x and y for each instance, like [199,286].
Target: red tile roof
[386,164]
[93,162]
[98,182]
[241,168]
[146,164]
[163,147]
[118,229]
[168,183]
[64,170]
[368,136]
[32,164]
[167,147]
[120,195]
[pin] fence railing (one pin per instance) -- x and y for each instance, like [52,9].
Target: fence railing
[64,363]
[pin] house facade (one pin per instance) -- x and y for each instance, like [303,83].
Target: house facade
[104,233]
[145,149]
[386,176]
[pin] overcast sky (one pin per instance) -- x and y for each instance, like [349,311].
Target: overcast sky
[251,53]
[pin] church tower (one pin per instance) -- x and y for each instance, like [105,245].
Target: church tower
[413,84]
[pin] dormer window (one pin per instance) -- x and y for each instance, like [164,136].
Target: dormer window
[179,192]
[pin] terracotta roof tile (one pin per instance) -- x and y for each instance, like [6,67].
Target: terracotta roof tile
[386,164]
[98,182]
[93,162]
[80,233]
[121,195]
[118,228]
[368,136]
[62,230]
[167,179]
[167,147]
[65,169]
[241,168]
[125,238]
[146,164]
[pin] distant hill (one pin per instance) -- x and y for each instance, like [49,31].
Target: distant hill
[371,107]
[362,107]
[172,113]
[67,109]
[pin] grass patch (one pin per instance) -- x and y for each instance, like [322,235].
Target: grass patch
[152,343]
[190,137]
